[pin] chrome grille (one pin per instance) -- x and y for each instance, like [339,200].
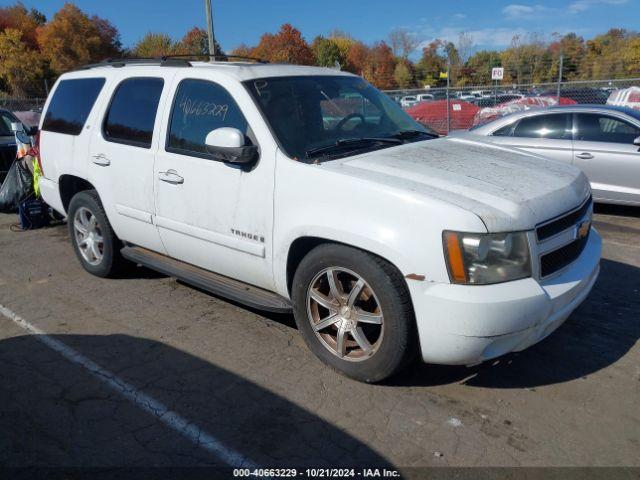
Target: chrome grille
[562,239]
[562,257]
[563,222]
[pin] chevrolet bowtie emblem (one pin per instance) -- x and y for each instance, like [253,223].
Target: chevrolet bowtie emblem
[583,229]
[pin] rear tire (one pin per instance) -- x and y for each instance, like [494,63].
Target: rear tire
[339,291]
[92,237]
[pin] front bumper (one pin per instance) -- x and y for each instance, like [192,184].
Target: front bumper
[464,325]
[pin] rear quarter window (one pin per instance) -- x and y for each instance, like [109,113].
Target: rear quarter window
[71,104]
[132,114]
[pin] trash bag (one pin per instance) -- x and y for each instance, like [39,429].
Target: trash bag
[18,186]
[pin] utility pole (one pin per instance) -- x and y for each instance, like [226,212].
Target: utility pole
[448,101]
[213,51]
[560,75]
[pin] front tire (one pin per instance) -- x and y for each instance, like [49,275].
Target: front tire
[92,237]
[354,312]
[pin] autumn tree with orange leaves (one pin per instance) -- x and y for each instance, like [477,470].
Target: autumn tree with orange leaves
[26,21]
[380,66]
[72,38]
[286,46]
[19,47]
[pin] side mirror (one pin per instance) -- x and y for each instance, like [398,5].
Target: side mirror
[32,131]
[228,145]
[637,141]
[18,127]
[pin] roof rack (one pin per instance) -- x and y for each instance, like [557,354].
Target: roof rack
[219,57]
[239,57]
[167,60]
[122,62]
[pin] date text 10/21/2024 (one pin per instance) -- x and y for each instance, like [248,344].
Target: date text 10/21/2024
[317,473]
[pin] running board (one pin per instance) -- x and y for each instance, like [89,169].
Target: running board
[220,285]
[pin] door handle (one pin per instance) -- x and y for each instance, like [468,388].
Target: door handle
[101,160]
[171,176]
[584,156]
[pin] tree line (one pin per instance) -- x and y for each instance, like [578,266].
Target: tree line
[35,50]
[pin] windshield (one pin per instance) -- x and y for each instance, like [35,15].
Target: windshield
[331,116]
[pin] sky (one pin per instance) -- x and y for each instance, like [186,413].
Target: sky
[490,23]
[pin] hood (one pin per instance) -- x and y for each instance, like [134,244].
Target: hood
[508,189]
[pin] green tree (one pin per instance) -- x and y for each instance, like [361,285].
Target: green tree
[603,57]
[432,63]
[480,64]
[154,45]
[403,74]
[327,52]
[631,56]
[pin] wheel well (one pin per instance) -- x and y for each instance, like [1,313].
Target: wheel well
[70,185]
[297,251]
[302,246]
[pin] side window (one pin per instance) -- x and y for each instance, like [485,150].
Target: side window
[71,104]
[503,131]
[556,126]
[199,107]
[603,128]
[132,113]
[6,120]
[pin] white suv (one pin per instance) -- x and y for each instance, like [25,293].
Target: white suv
[306,189]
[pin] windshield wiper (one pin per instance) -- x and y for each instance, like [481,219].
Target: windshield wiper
[404,134]
[355,142]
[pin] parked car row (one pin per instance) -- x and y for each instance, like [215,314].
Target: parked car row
[491,98]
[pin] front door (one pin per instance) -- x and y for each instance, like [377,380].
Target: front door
[548,135]
[121,158]
[212,214]
[604,150]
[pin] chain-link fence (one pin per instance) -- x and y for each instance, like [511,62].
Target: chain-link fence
[22,104]
[28,110]
[459,108]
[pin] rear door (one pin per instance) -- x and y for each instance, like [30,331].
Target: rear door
[66,126]
[122,154]
[604,150]
[549,135]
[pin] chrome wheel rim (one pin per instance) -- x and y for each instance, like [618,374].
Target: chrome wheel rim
[88,236]
[345,314]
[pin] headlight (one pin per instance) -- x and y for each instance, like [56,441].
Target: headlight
[485,258]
